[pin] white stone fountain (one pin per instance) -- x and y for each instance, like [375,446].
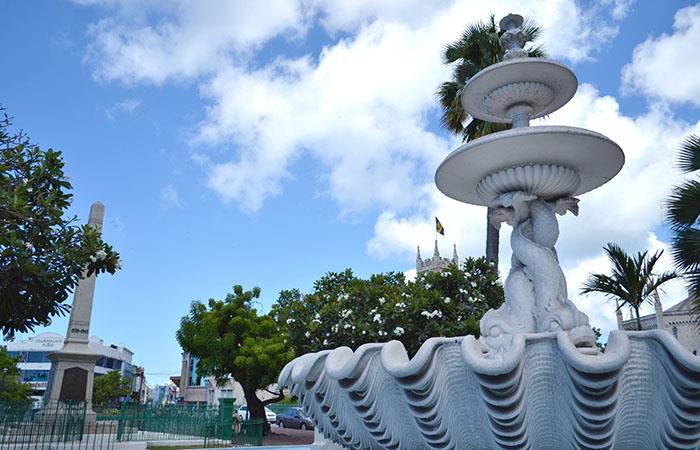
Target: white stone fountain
[534,379]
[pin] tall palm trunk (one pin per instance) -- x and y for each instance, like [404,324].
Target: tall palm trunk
[639,322]
[492,241]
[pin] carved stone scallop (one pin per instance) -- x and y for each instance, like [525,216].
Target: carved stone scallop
[536,95]
[547,181]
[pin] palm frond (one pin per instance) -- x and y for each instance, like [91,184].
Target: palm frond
[683,205]
[686,248]
[689,154]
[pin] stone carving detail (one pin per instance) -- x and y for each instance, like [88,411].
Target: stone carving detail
[514,39]
[452,396]
[534,95]
[546,181]
[536,298]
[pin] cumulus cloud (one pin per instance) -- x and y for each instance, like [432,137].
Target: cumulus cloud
[128,106]
[666,67]
[362,109]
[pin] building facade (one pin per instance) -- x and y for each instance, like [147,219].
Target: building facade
[677,320]
[194,388]
[437,262]
[34,363]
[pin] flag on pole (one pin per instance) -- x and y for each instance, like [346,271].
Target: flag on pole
[438,227]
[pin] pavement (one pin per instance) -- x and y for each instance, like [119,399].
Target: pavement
[287,436]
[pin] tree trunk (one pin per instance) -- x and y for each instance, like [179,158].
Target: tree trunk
[492,243]
[256,409]
[639,322]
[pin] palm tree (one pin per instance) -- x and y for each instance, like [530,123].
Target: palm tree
[475,50]
[682,214]
[632,281]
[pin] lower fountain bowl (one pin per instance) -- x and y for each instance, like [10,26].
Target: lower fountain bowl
[595,159]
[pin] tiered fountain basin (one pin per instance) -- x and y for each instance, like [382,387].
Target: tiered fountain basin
[642,393]
[590,155]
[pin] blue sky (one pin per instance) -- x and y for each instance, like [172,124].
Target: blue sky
[266,144]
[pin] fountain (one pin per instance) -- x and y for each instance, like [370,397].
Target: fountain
[534,379]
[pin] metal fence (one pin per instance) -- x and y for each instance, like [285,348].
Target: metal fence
[64,426]
[59,426]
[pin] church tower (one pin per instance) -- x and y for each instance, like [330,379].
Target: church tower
[437,262]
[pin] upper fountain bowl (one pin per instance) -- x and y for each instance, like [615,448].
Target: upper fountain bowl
[541,85]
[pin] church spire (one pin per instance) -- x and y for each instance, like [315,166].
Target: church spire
[436,253]
[419,260]
[455,259]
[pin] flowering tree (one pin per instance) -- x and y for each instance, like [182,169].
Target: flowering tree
[43,253]
[351,311]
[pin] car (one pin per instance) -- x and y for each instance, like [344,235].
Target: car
[294,418]
[245,415]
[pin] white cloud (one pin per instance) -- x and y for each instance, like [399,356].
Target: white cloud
[127,106]
[666,67]
[166,40]
[170,198]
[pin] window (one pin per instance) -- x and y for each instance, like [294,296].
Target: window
[35,375]
[37,357]
[675,331]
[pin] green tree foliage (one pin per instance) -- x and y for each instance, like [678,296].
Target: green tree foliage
[346,310]
[12,391]
[683,213]
[232,339]
[474,51]
[632,281]
[43,253]
[109,388]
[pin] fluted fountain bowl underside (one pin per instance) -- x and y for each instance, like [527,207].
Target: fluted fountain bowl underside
[542,84]
[642,393]
[590,155]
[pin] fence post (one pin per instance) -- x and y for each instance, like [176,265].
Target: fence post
[225,417]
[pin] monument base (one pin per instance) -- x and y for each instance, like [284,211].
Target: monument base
[71,378]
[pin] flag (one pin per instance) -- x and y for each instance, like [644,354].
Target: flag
[438,227]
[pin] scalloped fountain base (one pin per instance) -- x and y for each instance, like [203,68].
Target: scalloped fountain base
[544,394]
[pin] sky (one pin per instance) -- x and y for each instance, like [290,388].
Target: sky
[267,143]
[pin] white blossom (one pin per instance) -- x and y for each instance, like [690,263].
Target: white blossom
[100,255]
[307,334]
[400,306]
[345,313]
[398,331]
[290,320]
[377,318]
[447,300]
[382,300]
[28,246]
[325,342]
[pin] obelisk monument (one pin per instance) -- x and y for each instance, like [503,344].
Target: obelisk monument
[73,367]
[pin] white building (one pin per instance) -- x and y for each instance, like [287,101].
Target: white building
[34,363]
[193,388]
[677,320]
[437,262]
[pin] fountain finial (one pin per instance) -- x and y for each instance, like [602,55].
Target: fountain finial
[514,39]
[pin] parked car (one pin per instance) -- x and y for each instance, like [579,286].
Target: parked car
[245,415]
[294,418]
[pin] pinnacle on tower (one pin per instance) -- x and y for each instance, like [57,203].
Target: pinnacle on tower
[419,260]
[436,253]
[455,259]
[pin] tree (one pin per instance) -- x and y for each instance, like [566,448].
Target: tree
[475,50]
[109,388]
[632,281]
[344,310]
[12,390]
[43,253]
[683,212]
[231,339]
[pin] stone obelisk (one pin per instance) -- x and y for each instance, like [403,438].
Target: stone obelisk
[73,367]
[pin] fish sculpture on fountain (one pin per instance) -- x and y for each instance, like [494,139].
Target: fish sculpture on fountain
[534,379]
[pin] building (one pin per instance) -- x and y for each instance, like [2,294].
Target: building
[194,388]
[34,363]
[677,320]
[163,394]
[437,262]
